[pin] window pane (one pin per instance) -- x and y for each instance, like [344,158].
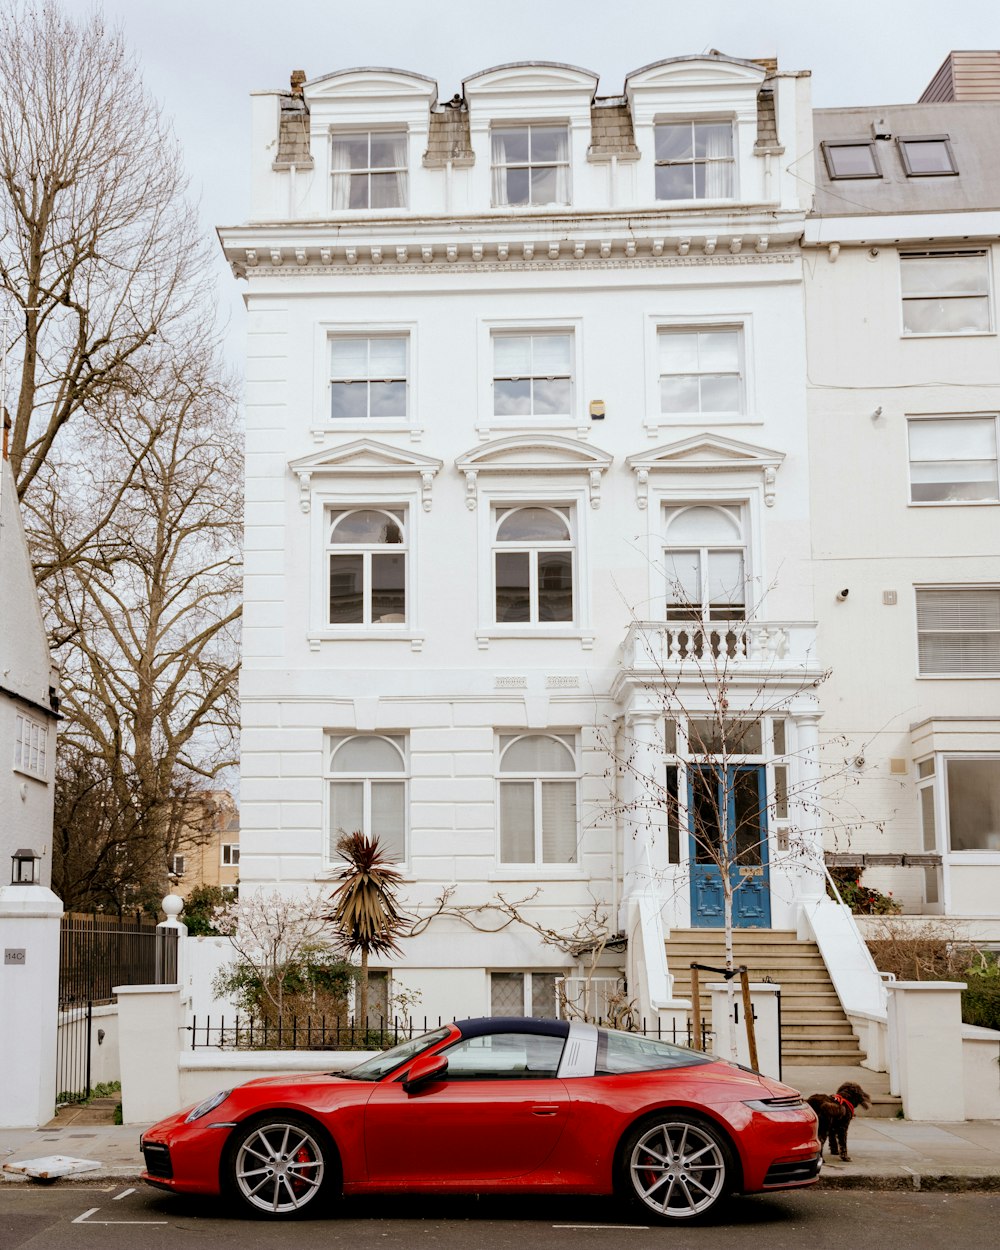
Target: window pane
[713,141]
[852,160]
[350,151]
[682,570]
[673,143]
[675,182]
[559,822]
[346,590]
[517,822]
[548,144]
[679,394]
[958,609]
[359,191]
[388,358]
[928,156]
[388,817]
[518,186]
[388,399]
[543,185]
[512,356]
[954,481]
[346,810]
[512,399]
[507,994]
[551,354]
[927,819]
[510,146]
[780,792]
[704,526]
[537,753]
[349,358]
[388,589]
[543,1000]
[778,731]
[555,586]
[725,578]
[388,190]
[367,755]
[513,601]
[961,275]
[388,150]
[349,401]
[720,394]
[713,181]
[960,653]
[551,398]
[968,438]
[974,805]
[719,351]
[678,351]
[946,316]
[365,525]
[533,524]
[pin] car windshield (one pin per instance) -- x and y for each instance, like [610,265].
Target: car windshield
[374,1069]
[631,1052]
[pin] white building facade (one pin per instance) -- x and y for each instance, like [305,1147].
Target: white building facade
[901,275]
[526,374]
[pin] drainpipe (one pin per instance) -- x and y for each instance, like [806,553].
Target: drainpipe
[291,190]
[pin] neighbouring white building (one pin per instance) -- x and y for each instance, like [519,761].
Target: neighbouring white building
[525,368]
[901,276]
[28,700]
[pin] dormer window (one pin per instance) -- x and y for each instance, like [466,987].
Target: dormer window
[694,161]
[530,165]
[368,169]
[851,158]
[927,156]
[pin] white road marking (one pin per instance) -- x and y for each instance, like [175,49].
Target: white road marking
[600,1227]
[85,1219]
[124,1194]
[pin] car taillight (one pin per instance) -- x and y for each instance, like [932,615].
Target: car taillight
[789,1102]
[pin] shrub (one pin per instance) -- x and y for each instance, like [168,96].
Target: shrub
[981,998]
[863,900]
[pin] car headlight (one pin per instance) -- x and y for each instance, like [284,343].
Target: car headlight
[203,1108]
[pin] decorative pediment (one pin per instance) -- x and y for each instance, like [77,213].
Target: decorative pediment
[706,453]
[527,77]
[535,454]
[370,81]
[364,458]
[695,71]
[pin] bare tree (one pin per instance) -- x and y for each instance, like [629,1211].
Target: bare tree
[96,254]
[144,619]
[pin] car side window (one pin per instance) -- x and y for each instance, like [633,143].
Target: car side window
[618,1053]
[500,1056]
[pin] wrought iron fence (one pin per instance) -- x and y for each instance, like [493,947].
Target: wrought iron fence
[375,1033]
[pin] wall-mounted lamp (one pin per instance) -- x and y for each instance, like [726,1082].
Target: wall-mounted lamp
[24,867]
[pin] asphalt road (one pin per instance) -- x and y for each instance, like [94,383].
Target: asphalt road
[80,1218]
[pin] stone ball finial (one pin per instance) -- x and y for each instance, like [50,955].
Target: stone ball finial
[172,906]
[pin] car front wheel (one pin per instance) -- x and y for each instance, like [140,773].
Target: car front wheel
[676,1167]
[280,1166]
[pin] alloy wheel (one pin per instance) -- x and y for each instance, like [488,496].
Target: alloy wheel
[677,1169]
[279,1168]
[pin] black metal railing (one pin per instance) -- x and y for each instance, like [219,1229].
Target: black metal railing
[375,1033]
[97,953]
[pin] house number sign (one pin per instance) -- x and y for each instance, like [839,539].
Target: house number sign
[13,956]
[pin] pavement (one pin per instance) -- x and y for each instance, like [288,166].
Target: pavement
[885,1153]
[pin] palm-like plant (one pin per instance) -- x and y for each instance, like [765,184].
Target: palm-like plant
[365,908]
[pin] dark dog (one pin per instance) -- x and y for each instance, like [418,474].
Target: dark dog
[835,1113]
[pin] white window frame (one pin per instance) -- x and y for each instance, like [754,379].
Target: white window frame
[700,119]
[698,415]
[970,676]
[368,551]
[369,129]
[31,743]
[750,501]
[940,418]
[533,548]
[703,551]
[488,424]
[538,868]
[551,494]
[335,738]
[233,848]
[325,428]
[942,812]
[945,253]
[178,864]
[533,375]
[742,322]
[326,497]
[367,380]
[555,123]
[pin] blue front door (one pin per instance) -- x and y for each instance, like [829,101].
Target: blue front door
[727,830]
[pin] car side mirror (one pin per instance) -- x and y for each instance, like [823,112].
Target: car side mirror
[424,1070]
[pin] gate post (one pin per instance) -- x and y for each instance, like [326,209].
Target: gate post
[29,994]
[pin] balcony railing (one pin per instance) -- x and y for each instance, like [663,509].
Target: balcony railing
[734,646]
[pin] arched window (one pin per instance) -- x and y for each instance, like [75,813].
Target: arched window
[533,564]
[367,552]
[367,785]
[704,563]
[538,799]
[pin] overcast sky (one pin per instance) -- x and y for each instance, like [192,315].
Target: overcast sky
[202,58]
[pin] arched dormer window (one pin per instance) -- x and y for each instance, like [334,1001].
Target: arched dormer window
[538,799]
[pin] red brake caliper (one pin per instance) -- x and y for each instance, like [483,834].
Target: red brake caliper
[301,1156]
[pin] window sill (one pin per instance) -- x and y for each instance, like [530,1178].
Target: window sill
[948,334]
[373,634]
[534,632]
[394,425]
[953,503]
[25,772]
[528,873]
[655,422]
[958,676]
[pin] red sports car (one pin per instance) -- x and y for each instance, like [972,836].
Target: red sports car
[497,1105]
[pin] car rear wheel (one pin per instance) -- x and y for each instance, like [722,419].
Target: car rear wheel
[676,1167]
[280,1167]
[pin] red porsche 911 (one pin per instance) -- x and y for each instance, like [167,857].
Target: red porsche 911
[501,1105]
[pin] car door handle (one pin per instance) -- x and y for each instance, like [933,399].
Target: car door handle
[548,1108]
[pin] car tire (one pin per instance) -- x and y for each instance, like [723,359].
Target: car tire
[280,1166]
[676,1167]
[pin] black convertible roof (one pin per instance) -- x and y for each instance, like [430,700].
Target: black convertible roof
[511,1024]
